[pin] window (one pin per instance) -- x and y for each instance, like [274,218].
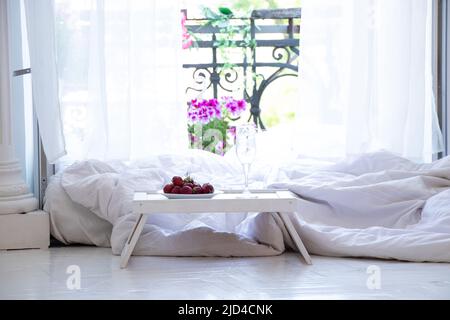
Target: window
[248,51]
[442,56]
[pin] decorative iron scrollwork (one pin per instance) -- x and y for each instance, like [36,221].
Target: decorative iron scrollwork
[230,76]
[202,80]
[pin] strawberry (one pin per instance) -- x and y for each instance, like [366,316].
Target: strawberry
[186,190]
[168,188]
[197,190]
[178,181]
[208,188]
[176,190]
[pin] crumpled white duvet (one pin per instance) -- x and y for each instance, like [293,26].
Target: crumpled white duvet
[375,205]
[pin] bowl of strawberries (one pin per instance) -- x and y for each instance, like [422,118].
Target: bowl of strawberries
[188,188]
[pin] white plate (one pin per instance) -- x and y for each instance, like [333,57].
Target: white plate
[190,196]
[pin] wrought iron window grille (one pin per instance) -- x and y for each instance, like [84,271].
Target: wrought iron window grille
[283,39]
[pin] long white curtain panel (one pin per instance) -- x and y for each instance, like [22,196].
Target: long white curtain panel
[120,67]
[42,49]
[366,78]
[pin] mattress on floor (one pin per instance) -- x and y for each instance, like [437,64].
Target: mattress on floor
[371,205]
[72,223]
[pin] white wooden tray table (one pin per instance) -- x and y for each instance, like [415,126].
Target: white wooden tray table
[276,201]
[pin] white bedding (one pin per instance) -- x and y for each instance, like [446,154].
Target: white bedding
[70,222]
[375,205]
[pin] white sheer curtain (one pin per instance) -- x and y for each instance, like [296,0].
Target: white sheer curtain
[366,78]
[119,64]
[41,41]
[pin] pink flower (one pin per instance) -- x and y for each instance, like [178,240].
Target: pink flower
[235,107]
[206,110]
[187,39]
[241,104]
[187,44]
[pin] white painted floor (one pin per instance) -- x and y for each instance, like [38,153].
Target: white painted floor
[41,274]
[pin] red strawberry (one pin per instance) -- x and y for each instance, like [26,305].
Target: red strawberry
[168,188]
[186,190]
[208,188]
[197,190]
[176,189]
[205,190]
[178,181]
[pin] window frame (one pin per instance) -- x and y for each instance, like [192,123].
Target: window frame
[442,38]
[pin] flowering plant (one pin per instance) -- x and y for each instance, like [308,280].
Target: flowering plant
[209,122]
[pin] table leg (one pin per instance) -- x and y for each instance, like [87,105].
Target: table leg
[132,240]
[295,237]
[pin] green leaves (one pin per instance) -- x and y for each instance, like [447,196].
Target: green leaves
[231,35]
[226,11]
[209,14]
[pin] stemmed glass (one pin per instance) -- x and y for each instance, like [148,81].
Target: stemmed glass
[246,149]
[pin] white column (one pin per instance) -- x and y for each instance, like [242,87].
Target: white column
[14,194]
